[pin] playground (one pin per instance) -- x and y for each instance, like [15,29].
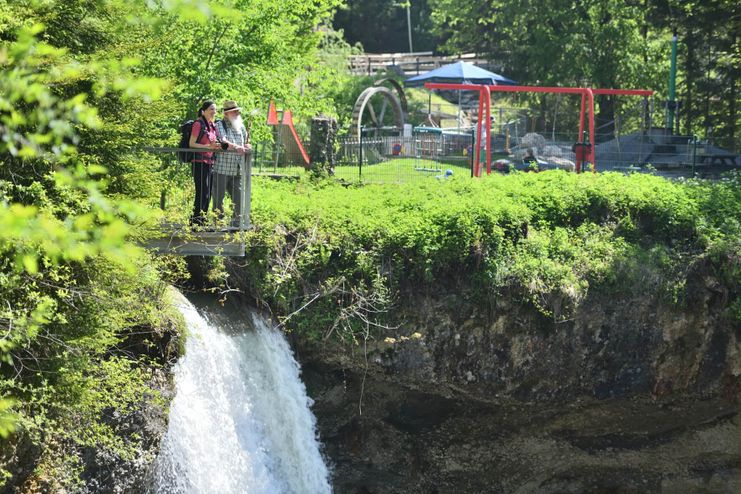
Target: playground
[385,141]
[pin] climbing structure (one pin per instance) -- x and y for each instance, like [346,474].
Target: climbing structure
[584,149]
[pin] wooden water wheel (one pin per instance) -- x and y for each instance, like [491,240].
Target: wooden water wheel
[371,111]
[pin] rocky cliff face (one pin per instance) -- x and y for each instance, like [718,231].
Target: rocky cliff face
[630,395]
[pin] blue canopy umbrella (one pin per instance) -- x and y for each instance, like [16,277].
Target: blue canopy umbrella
[459,73]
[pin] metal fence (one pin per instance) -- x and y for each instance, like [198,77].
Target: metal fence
[403,159]
[277,158]
[430,154]
[442,153]
[653,149]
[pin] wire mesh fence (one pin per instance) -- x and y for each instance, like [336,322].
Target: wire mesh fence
[430,154]
[434,153]
[403,159]
[277,159]
[374,159]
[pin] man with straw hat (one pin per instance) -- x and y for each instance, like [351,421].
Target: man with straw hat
[234,137]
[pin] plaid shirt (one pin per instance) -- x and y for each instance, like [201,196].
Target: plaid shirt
[228,163]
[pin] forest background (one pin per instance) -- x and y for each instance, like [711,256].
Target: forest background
[595,43]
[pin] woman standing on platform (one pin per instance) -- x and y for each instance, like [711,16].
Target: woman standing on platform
[203,136]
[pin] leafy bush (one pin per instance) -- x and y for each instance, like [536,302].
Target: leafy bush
[547,238]
[73,290]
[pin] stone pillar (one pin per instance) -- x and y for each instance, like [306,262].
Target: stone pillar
[321,146]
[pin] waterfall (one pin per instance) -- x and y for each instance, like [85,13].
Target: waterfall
[240,420]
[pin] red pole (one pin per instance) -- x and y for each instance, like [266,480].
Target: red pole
[579,157]
[581,116]
[590,98]
[488,130]
[624,92]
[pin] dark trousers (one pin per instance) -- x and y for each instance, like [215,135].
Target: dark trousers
[227,184]
[202,179]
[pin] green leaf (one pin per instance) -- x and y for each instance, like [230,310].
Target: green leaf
[30,263]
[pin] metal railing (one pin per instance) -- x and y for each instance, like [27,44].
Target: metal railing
[225,206]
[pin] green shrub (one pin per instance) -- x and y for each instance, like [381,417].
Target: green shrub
[547,238]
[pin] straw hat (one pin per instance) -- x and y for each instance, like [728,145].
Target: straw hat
[230,105]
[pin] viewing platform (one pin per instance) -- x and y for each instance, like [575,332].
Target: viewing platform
[218,232]
[183,241]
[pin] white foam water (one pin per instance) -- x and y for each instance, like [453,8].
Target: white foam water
[240,421]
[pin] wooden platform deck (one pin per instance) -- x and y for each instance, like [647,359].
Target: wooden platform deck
[202,243]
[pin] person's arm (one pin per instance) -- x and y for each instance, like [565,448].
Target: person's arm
[195,131]
[236,147]
[221,132]
[221,129]
[230,144]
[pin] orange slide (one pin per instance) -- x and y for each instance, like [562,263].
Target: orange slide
[288,121]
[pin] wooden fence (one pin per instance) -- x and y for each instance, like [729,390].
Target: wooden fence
[409,63]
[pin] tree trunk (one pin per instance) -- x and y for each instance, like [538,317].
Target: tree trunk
[321,147]
[707,119]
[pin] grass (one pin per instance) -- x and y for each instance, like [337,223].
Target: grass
[418,101]
[394,170]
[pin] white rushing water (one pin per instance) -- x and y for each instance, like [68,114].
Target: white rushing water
[240,420]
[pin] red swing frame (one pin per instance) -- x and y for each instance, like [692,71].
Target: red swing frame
[587,103]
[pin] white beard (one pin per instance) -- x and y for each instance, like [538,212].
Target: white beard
[236,122]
